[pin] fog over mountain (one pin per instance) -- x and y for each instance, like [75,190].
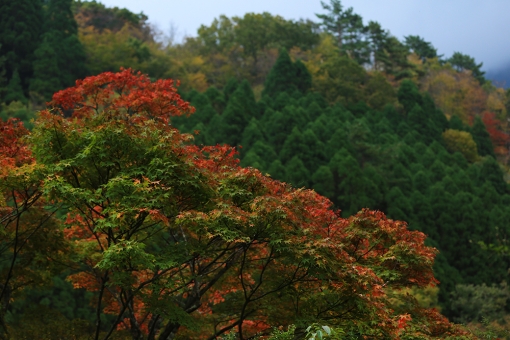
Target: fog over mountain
[500,76]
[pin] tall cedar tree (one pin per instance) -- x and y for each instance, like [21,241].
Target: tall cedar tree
[21,25]
[482,138]
[47,76]
[286,76]
[62,35]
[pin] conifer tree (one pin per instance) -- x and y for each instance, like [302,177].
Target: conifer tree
[253,160]
[293,145]
[437,116]
[423,213]
[322,181]
[421,182]
[296,173]
[265,152]
[278,126]
[277,170]
[348,180]
[491,173]
[3,78]
[437,171]
[46,80]
[230,88]
[422,48]
[244,93]
[252,133]
[62,35]
[482,138]
[216,98]
[456,123]
[408,95]
[337,142]
[398,205]
[315,151]
[14,91]
[402,179]
[286,76]
[21,25]
[235,118]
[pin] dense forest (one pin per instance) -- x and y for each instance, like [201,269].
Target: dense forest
[383,130]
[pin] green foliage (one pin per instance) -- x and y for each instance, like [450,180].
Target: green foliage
[286,76]
[21,25]
[341,80]
[14,91]
[408,95]
[474,302]
[46,80]
[422,48]
[62,36]
[348,29]
[463,62]
[19,111]
[482,138]
[379,92]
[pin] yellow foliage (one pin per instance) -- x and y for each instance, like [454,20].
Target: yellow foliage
[326,49]
[456,93]
[107,50]
[461,141]
[496,102]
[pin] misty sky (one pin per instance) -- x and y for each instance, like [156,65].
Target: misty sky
[480,28]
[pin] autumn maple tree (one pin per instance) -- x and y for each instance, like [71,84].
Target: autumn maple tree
[30,237]
[179,240]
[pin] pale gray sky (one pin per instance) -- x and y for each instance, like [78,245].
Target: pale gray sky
[480,28]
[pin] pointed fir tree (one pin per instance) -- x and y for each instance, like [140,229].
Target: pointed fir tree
[216,98]
[230,88]
[491,173]
[251,134]
[293,145]
[408,95]
[314,156]
[420,122]
[296,172]
[3,77]
[322,182]
[421,182]
[21,26]
[253,160]
[399,207]
[277,170]
[482,138]
[265,152]
[46,80]
[286,76]
[14,91]
[455,123]
[236,116]
[62,34]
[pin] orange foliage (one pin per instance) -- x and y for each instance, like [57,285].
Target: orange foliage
[499,138]
[253,252]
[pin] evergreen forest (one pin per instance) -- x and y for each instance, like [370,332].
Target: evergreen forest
[154,189]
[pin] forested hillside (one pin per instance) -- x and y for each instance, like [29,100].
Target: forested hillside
[332,104]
